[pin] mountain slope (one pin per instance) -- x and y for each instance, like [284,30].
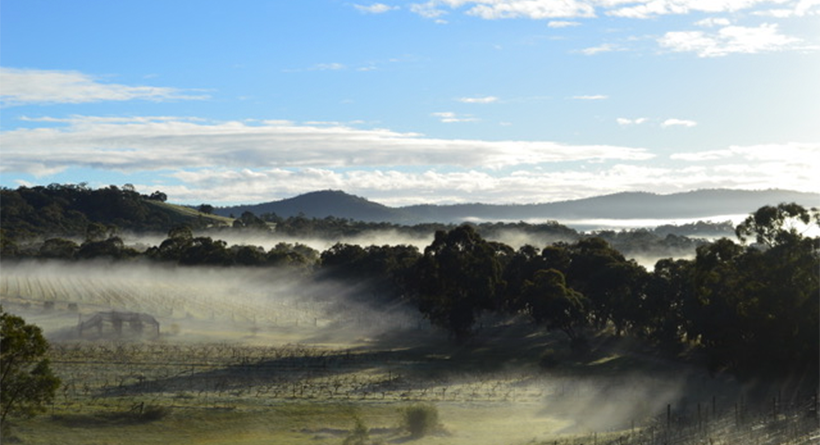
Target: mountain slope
[321,204]
[628,205]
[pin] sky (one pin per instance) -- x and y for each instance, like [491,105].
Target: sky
[406,102]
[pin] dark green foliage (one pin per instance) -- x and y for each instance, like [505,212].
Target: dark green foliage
[776,225]
[78,211]
[549,301]
[59,248]
[458,278]
[383,272]
[611,283]
[549,359]
[757,310]
[154,412]
[420,420]
[250,221]
[749,309]
[26,379]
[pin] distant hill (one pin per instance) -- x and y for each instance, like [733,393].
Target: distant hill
[321,204]
[67,211]
[628,205]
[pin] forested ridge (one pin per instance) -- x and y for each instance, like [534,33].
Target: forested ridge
[747,305]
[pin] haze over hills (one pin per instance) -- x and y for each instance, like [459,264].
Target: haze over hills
[628,205]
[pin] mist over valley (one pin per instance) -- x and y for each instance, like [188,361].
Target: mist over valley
[503,330]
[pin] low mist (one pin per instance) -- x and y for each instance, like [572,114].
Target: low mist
[194,303]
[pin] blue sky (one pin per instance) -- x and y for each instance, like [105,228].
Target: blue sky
[403,102]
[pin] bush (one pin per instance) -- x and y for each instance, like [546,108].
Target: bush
[420,420]
[154,412]
[549,359]
[360,434]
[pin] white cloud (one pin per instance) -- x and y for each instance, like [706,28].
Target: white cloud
[329,67]
[562,24]
[625,121]
[252,161]
[750,167]
[478,100]
[711,22]
[256,161]
[801,8]
[793,152]
[375,8]
[533,9]
[448,117]
[711,155]
[30,86]
[428,10]
[150,144]
[678,123]
[591,97]
[728,40]
[636,9]
[605,48]
[643,9]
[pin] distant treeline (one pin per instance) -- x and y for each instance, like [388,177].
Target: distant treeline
[68,210]
[31,215]
[748,306]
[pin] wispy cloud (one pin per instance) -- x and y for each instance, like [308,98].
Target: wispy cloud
[429,10]
[635,9]
[478,100]
[449,117]
[146,143]
[728,40]
[200,162]
[591,97]
[375,8]
[31,86]
[644,9]
[625,121]
[678,123]
[605,48]
[736,167]
[329,67]
[505,9]
[562,24]
[801,8]
[711,22]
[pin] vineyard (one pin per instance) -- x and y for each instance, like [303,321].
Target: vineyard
[170,294]
[248,343]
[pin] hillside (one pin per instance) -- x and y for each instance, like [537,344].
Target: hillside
[68,210]
[322,204]
[628,205]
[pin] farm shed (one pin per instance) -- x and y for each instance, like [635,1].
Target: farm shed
[135,320]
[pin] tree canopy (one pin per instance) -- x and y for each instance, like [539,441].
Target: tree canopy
[26,379]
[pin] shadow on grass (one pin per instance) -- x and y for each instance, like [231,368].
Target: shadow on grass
[136,416]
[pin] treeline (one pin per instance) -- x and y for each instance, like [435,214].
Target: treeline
[752,309]
[67,210]
[56,213]
[748,306]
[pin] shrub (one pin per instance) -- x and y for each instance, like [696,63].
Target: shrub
[359,435]
[154,412]
[549,359]
[420,420]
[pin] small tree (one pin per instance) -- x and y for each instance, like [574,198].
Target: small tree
[360,434]
[420,420]
[26,379]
